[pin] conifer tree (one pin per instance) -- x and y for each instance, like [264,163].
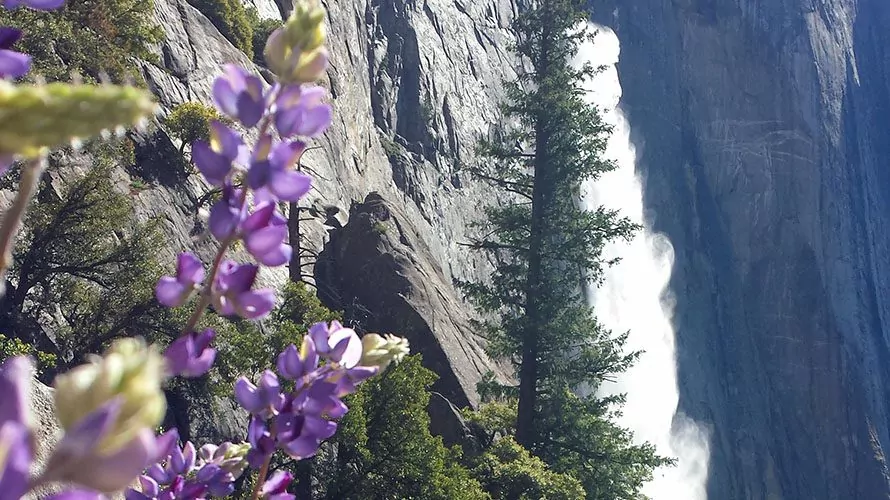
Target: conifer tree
[546,248]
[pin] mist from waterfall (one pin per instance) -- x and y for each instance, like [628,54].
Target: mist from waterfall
[634,298]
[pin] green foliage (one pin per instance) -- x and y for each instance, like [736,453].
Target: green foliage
[190,121]
[231,18]
[10,347]
[87,37]
[83,249]
[384,449]
[246,348]
[508,471]
[262,28]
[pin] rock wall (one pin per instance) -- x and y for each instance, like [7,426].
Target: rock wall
[413,84]
[764,137]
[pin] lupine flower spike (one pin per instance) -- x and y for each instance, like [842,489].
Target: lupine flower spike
[110,407]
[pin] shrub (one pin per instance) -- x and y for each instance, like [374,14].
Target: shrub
[509,472]
[87,37]
[385,450]
[232,20]
[190,121]
[10,347]
[262,28]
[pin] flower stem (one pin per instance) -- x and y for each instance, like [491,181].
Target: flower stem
[261,478]
[12,220]
[207,293]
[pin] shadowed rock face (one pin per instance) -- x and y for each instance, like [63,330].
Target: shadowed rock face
[763,130]
[380,272]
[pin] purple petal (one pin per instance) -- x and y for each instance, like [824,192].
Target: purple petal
[171,293]
[255,304]
[226,141]
[9,36]
[5,162]
[260,217]
[259,174]
[277,483]
[285,155]
[189,355]
[159,474]
[189,269]
[148,485]
[278,256]
[117,471]
[226,216]
[269,391]
[346,346]
[289,364]
[164,445]
[309,353]
[264,240]
[132,494]
[319,332]
[38,4]
[242,277]
[224,96]
[77,495]
[247,395]
[289,185]
[15,442]
[250,110]
[79,442]
[214,166]
[13,64]
[15,389]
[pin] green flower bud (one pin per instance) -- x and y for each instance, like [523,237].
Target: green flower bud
[295,52]
[381,351]
[36,117]
[130,370]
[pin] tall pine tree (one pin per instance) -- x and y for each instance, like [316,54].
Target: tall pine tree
[545,249]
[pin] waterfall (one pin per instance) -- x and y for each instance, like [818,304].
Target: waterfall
[633,298]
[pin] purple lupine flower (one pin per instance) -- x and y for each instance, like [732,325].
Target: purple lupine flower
[264,232]
[300,436]
[299,111]
[240,95]
[15,437]
[264,399]
[272,168]
[15,440]
[262,443]
[275,488]
[340,345]
[77,458]
[183,477]
[191,355]
[34,4]
[215,158]
[321,400]
[227,213]
[175,291]
[232,292]
[348,380]
[293,364]
[12,64]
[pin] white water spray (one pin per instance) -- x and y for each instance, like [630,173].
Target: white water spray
[632,299]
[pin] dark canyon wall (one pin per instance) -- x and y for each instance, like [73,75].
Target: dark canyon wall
[763,129]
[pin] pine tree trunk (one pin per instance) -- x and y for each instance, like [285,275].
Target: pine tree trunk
[293,228]
[526,432]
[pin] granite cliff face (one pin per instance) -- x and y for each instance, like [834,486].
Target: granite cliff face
[764,141]
[412,84]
